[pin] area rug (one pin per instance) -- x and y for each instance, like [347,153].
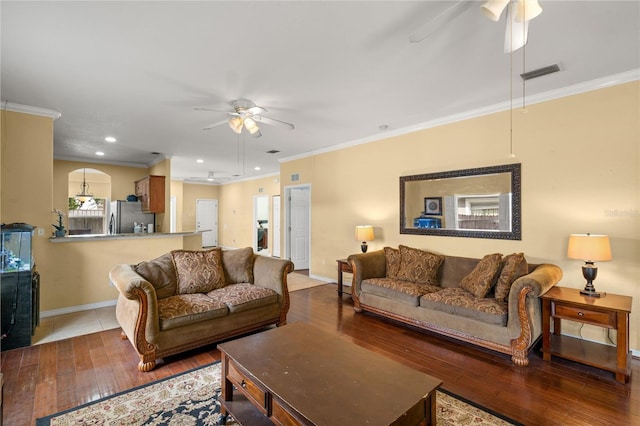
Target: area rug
[192,398]
[296,281]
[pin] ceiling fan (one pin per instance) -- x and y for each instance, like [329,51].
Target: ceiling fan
[246,114]
[212,177]
[518,15]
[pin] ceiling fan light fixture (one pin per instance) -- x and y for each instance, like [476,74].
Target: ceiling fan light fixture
[493,9]
[236,124]
[526,10]
[251,125]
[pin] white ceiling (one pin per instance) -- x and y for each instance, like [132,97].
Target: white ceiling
[337,70]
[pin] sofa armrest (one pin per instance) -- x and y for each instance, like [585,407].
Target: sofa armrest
[365,266]
[270,272]
[525,313]
[137,308]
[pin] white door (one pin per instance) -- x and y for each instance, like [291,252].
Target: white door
[275,248]
[299,228]
[207,221]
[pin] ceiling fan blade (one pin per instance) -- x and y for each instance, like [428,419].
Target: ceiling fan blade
[256,110]
[516,33]
[273,122]
[439,21]
[209,109]
[211,126]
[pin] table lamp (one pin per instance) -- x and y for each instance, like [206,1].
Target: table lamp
[589,248]
[364,233]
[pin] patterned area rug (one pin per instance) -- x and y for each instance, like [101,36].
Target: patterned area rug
[192,398]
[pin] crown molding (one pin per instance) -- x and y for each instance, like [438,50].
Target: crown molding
[574,89]
[112,163]
[26,109]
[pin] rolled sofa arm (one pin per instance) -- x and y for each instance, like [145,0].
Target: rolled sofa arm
[270,272]
[137,309]
[525,314]
[365,266]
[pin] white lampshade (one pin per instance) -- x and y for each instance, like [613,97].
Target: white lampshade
[526,10]
[251,125]
[236,124]
[493,8]
[364,233]
[589,247]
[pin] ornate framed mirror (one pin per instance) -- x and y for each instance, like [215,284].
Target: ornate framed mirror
[475,203]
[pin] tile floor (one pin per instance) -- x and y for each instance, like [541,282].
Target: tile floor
[91,321]
[75,324]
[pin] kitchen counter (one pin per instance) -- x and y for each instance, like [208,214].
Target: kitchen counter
[100,237]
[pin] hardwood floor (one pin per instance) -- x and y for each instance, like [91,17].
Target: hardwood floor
[51,377]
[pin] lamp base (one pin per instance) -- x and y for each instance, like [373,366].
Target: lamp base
[364,247]
[593,293]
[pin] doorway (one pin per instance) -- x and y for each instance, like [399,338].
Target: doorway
[207,221]
[261,224]
[298,225]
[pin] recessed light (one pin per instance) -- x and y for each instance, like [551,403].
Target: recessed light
[110,139]
[99,153]
[256,168]
[199,160]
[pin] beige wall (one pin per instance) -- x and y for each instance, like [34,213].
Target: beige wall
[580,161]
[235,210]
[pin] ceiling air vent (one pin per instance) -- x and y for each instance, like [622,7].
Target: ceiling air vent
[540,72]
[273,151]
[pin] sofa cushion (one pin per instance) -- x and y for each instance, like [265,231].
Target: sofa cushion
[513,267]
[182,309]
[419,266]
[479,281]
[244,296]
[238,265]
[199,271]
[403,291]
[392,260]
[161,273]
[457,301]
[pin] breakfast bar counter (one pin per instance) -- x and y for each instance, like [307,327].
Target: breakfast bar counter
[138,235]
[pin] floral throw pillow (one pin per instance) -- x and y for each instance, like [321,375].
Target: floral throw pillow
[199,271]
[392,258]
[479,281]
[419,266]
[513,267]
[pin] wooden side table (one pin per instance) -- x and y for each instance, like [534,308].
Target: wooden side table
[611,311]
[343,266]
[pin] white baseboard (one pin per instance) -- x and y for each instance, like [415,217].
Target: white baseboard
[319,278]
[79,308]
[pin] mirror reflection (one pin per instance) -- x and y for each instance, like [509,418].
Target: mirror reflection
[482,203]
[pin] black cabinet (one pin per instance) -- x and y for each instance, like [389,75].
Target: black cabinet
[20,284]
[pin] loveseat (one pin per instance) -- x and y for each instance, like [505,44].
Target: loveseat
[493,302]
[186,299]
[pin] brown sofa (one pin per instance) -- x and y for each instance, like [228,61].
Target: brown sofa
[492,302]
[186,299]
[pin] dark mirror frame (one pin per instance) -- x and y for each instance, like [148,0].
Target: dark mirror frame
[516,219]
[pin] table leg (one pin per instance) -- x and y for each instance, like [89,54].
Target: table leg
[339,279]
[546,333]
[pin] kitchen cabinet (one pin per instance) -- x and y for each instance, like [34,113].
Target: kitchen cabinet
[150,192]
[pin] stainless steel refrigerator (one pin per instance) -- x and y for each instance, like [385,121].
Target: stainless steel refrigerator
[125,213]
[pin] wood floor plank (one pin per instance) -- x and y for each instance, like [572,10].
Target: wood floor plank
[59,375]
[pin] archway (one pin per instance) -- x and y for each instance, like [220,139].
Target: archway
[89,196]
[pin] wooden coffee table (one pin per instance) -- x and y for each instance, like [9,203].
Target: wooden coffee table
[300,375]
